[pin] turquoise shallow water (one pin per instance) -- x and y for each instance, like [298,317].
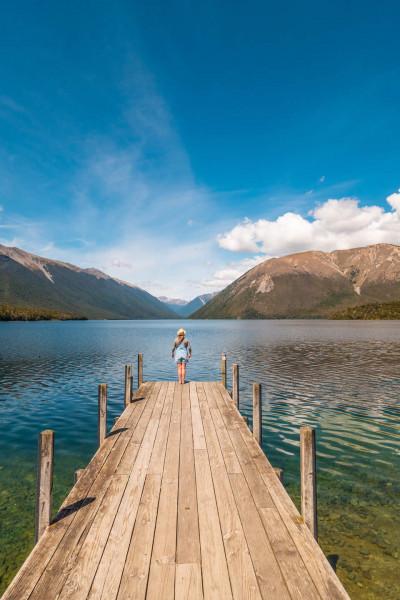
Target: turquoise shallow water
[340,377]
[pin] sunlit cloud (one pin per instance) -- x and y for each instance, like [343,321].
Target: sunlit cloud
[334,224]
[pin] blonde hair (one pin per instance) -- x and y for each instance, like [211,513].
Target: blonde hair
[179,339]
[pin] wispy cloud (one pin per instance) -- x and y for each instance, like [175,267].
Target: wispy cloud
[10,104]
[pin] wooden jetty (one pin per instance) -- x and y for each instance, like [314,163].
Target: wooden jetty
[178,502]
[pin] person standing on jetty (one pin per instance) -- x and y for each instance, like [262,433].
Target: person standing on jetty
[181,352]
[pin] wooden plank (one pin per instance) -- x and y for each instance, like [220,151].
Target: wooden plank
[297,578]
[199,442]
[80,577]
[109,572]
[261,495]
[37,561]
[322,574]
[188,583]
[188,542]
[136,569]
[161,583]
[67,551]
[156,466]
[214,568]
[269,576]
[241,571]
[229,454]
[231,419]
[134,579]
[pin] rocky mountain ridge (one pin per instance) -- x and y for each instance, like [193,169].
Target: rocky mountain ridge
[311,284]
[31,281]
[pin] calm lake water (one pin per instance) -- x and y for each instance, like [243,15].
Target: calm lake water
[341,377]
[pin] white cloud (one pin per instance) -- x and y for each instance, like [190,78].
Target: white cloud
[394,201]
[335,224]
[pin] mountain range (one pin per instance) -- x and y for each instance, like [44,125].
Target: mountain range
[311,284]
[185,308]
[30,281]
[304,285]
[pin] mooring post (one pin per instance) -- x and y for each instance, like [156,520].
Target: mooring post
[223,369]
[128,384]
[44,484]
[279,473]
[139,369]
[78,473]
[235,384]
[102,413]
[257,419]
[308,479]
[132,384]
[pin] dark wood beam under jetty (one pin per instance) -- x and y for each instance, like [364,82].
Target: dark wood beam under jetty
[179,501]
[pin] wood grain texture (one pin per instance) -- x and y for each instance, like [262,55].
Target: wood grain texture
[102,413]
[128,385]
[179,502]
[308,482]
[44,482]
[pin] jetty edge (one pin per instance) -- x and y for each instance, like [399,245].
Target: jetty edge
[179,501]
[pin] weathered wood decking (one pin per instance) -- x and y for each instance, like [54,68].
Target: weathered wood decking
[178,502]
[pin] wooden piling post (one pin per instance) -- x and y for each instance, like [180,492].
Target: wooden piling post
[308,479]
[102,413]
[44,484]
[140,369]
[279,473]
[78,474]
[223,369]
[128,384]
[257,419]
[235,384]
[132,392]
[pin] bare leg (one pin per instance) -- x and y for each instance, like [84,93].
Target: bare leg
[180,372]
[183,372]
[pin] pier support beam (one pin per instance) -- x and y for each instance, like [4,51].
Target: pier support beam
[139,369]
[128,384]
[308,479]
[102,413]
[235,384]
[223,369]
[257,418]
[44,485]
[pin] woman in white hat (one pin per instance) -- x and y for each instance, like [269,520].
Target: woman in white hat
[181,352]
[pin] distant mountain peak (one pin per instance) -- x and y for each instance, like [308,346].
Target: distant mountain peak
[311,283]
[177,301]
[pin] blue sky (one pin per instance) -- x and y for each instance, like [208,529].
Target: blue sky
[176,144]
